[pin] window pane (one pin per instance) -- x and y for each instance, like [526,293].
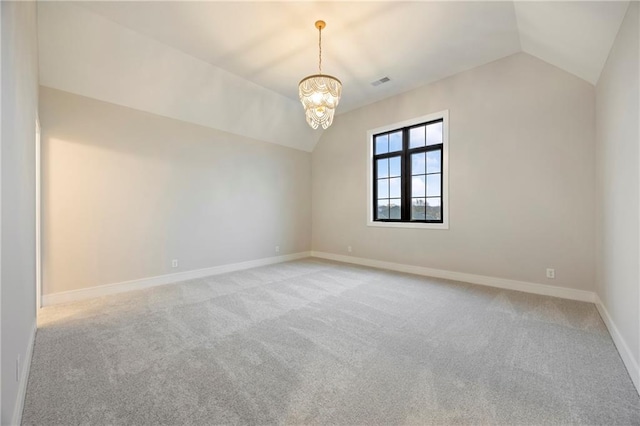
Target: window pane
[433,211]
[394,208]
[417,164]
[433,185]
[395,141]
[383,209]
[383,168]
[382,144]
[394,188]
[394,166]
[417,209]
[418,186]
[434,133]
[416,137]
[409,172]
[433,161]
[383,188]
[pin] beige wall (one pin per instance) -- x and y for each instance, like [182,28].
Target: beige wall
[125,192]
[18,257]
[521,177]
[618,178]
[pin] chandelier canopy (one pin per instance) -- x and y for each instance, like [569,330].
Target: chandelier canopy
[320,93]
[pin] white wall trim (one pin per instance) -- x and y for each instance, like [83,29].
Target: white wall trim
[527,287]
[24,378]
[38,212]
[621,344]
[103,290]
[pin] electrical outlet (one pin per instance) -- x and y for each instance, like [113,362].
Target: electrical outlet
[277,249]
[174,263]
[349,249]
[551,273]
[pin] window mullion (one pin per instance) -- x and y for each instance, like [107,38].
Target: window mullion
[406,178]
[375,188]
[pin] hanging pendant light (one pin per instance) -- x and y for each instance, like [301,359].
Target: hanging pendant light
[320,93]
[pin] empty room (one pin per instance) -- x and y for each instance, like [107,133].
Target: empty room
[320,212]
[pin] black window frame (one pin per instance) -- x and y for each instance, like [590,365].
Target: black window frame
[406,176]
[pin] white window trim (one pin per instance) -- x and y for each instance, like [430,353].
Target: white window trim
[444,115]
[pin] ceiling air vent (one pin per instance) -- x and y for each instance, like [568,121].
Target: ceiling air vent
[379,82]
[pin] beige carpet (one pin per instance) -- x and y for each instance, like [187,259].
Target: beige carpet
[314,342]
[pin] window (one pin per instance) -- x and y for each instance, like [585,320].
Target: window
[408,173]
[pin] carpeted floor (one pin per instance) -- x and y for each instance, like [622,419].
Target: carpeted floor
[315,342]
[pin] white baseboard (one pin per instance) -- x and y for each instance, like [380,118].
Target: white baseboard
[24,379]
[527,287]
[103,290]
[621,344]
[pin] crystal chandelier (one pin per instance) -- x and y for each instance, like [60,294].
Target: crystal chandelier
[320,93]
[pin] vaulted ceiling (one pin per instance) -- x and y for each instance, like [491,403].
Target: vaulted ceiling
[273,45]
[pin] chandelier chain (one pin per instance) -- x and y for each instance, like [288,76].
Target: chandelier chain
[320,50]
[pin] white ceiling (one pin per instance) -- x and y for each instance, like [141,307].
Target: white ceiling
[274,44]
[574,36]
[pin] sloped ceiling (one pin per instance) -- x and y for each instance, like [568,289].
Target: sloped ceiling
[244,50]
[574,36]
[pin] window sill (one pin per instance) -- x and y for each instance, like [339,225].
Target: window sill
[408,225]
